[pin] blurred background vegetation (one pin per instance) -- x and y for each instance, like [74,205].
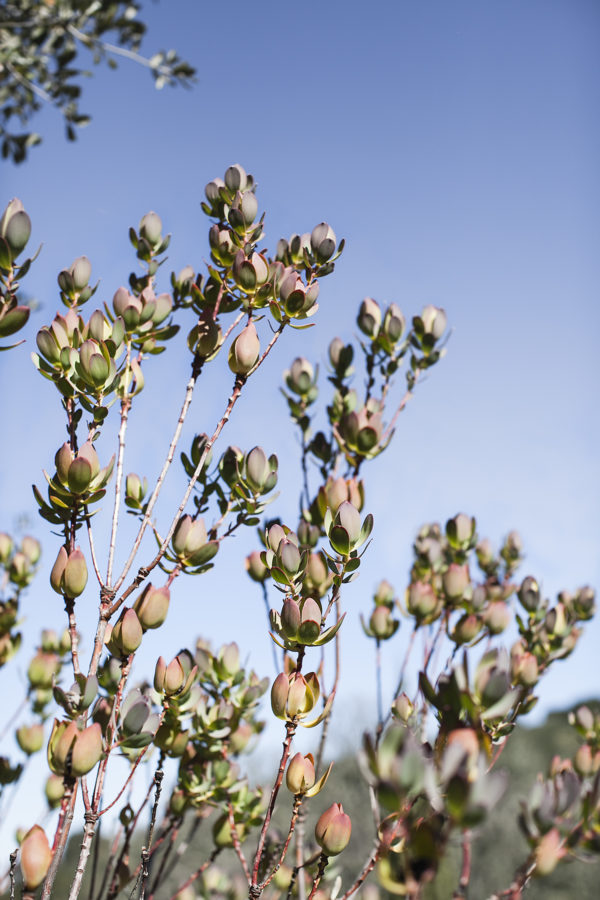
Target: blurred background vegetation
[498,846]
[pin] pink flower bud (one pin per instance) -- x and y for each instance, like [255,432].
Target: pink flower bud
[36,857]
[333,830]
[244,351]
[75,575]
[300,775]
[152,606]
[87,750]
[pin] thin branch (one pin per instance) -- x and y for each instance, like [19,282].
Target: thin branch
[236,842]
[197,873]
[408,394]
[93,42]
[158,777]
[368,867]
[143,573]
[196,367]
[265,594]
[127,780]
[13,864]
[290,730]
[465,873]
[295,811]
[61,836]
[93,552]
[125,407]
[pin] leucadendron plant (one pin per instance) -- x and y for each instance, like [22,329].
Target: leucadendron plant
[430,761]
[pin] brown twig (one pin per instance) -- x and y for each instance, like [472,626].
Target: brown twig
[61,836]
[11,872]
[197,873]
[146,851]
[290,730]
[323,860]
[125,407]
[236,842]
[465,873]
[367,868]
[295,811]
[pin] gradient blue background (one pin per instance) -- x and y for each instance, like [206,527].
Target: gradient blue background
[455,145]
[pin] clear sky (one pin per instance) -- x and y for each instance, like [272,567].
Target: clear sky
[455,146]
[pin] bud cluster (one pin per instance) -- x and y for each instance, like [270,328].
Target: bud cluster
[15,231]
[382,625]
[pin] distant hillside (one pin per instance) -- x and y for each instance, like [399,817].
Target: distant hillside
[498,847]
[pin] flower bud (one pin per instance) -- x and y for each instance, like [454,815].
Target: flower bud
[382,624]
[524,668]
[205,337]
[300,775]
[36,857]
[294,695]
[584,604]
[421,600]
[586,762]
[529,594]
[42,669]
[250,274]
[75,575]
[384,595]
[300,377]
[15,227]
[460,531]
[333,830]
[430,326]
[340,357]
[260,471]
[152,606]
[557,622]
[81,272]
[169,679]
[87,750]
[455,580]
[466,629]
[497,617]
[369,317]
[222,246]
[127,634]
[135,490]
[402,708]
[323,242]
[243,211]
[290,618]
[6,547]
[54,790]
[393,327]
[244,351]
[345,531]
[236,179]
[288,557]
[30,738]
[189,539]
[150,228]
[297,298]
[255,567]
[228,659]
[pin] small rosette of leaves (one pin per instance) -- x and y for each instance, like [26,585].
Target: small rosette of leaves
[382,625]
[15,231]
[300,624]
[78,481]
[190,546]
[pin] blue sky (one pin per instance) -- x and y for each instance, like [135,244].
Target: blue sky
[455,146]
